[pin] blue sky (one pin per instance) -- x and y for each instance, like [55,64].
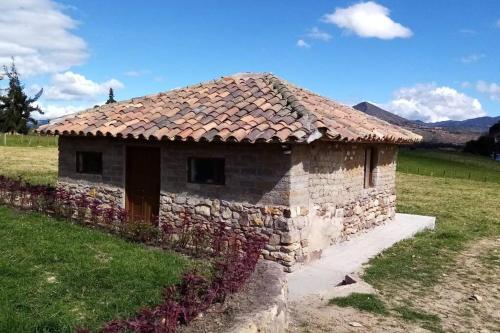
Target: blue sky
[429,60]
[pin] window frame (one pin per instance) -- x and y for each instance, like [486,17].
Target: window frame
[370,164]
[80,167]
[222,176]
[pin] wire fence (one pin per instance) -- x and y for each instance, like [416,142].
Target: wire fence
[28,140]
[451,173]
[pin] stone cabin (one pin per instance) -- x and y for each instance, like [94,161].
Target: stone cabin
[250,149]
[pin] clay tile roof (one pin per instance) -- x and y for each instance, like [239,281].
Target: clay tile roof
[245,107]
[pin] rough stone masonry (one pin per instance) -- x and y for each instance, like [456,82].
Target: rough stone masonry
[303,197]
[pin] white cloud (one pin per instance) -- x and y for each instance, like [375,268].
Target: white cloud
[137,73]
[491,89]
[430,103]
[316,33]
[51,111]
[39,36]
[72,86]
[302,43]
[474,57]
[368,20]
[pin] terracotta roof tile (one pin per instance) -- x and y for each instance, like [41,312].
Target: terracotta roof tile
[242,107]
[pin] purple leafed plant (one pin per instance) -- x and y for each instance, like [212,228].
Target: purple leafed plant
[233,256]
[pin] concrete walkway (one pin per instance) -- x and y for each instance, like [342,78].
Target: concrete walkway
[338,260]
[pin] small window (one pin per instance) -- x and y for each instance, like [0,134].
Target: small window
[206,170]
[88,162]
[370,164]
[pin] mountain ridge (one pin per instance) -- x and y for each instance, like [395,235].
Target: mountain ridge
[479,124]
[453,132]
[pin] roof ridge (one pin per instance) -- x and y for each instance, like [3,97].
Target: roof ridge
[214,80]
[281,87]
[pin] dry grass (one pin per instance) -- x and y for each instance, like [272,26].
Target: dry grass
[34,164]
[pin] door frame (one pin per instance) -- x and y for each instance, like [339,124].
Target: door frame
[125,159]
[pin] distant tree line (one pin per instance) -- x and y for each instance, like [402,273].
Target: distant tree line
[16,106]
[487,144]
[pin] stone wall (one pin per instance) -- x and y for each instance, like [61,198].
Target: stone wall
[328,200]
[272,221]
[302,197]
[269,292]
[109,186]
[255,196]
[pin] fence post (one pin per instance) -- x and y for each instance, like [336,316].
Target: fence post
[5,139]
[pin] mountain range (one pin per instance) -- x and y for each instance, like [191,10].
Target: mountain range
[453,132]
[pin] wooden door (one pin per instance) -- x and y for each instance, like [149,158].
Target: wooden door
[142,184]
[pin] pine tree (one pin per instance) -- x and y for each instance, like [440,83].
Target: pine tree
[111,98]
[15,106]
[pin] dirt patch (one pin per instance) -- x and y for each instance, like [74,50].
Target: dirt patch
[466,300]
[312,314]
[468,297]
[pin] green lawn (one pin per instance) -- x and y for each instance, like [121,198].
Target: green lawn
[448,164]
[465,211]
[55,275]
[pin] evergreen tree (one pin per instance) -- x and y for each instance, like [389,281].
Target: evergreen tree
[111,98]
[15,106]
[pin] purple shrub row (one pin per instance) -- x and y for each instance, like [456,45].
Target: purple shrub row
[233,257]
[233,265]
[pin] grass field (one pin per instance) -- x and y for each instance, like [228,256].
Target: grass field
[31,140]
[448,164]
[37,165]
[55,275]
[465,211]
